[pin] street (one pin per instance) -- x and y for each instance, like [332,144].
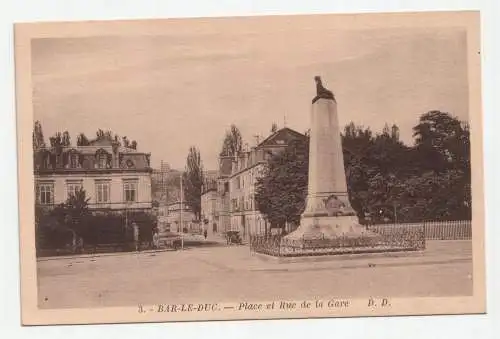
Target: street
[222,274]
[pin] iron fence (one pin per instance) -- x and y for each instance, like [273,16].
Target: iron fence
[434,230]
[386,240]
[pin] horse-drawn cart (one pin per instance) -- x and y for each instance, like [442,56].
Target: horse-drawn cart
[171,240]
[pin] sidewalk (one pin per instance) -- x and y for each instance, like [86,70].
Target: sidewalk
[190,242]
[240,258]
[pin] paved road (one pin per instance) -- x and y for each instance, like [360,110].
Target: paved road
[218,274]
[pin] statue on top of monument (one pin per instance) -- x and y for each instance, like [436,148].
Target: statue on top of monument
[321,91]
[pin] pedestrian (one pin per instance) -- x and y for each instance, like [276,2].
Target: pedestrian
[156,238]
[205,233]
[136,236]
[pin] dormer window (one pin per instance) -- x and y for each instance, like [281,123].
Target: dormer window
[102,159]
[73,159]
[47,163]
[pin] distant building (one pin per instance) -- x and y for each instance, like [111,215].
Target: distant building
[114,177]
[223,201]
[165,184]
[234,191]
[246,168]
[209,215]
[180,218]
[210,176]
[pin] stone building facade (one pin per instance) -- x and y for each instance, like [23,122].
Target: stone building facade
[180,218]
[209,217]
[114,178]
[246,167]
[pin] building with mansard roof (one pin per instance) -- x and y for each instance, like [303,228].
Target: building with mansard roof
[114,177]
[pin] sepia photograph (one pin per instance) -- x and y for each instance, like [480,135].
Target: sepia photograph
[266,167]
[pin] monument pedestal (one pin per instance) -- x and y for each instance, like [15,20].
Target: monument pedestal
[328,212]
[329,227]
[329,224]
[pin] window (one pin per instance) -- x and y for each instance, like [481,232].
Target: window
[72,188]
[73,160]
[47,160]
[46,193]
[102,161]
[130,191]
[102,192]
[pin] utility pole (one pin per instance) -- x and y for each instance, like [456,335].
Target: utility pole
[180,214]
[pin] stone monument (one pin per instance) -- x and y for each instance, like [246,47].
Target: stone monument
[328,212]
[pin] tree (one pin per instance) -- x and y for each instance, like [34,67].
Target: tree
[357,142]
[375,165]
[193,179]
[232,143]
[77,204]
[133,145]
[38,139]
[73,212]
[395,132]
[82,140]
[282,190]
[437,136]
[434,196]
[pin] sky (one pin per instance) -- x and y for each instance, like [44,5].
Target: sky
[187,86]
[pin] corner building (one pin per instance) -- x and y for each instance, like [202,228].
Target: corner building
[246,167]
[115,178]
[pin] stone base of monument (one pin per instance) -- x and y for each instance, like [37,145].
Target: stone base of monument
[344,235]
[329,228]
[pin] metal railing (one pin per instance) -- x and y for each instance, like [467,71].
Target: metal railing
[435,230]
[385,240]
[389,237]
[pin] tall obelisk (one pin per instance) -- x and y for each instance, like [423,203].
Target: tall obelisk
[328,211]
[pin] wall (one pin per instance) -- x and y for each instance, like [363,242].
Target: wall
[88,182]
[174,216]
[209,211]
[247,220]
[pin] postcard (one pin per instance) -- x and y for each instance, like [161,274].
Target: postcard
[265,167]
